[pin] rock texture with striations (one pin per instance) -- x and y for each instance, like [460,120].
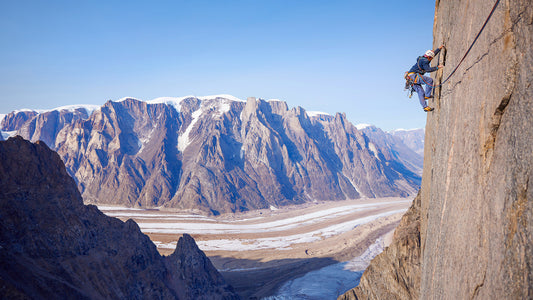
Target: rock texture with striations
[478,234]
[54,247]
[476,213]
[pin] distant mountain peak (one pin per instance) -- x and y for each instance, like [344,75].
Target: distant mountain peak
[406,130]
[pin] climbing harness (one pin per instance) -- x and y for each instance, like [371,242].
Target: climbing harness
[409,82]
[466,53]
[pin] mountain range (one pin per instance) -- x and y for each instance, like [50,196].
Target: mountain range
[219,154]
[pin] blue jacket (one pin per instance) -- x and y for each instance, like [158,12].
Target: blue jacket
[422,64]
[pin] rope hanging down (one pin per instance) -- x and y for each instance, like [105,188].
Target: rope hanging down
[470,48]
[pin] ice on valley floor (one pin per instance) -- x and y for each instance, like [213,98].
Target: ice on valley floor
[279,242]
[331,281]
[159,216]
[232,228]
[108,208]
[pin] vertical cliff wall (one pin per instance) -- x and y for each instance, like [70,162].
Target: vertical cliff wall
[477,226]
[476,214]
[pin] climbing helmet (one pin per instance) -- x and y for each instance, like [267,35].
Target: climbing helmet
[430,53]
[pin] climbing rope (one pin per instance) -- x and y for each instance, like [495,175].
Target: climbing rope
[470,48]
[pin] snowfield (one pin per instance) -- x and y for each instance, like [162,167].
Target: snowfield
[223,227]
[279,242]
[312,251]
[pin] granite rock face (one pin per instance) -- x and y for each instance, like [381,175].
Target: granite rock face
[476,211]
[219,154]
[477,203]
[54,247]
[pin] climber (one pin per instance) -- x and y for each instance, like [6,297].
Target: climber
[416,78]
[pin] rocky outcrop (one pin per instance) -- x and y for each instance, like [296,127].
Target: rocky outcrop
[54,247]
[476,213]
[395,273]
[220,154]
[201,279]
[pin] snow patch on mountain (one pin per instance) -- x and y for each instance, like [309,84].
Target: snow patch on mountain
[220,104]
[28,110]
[183,139]
[89,108]
[373,149]
[317,113]
[171,101]
[176,102]
[144,140]
[223,96]
[363,126]
[126,98]
[355,186]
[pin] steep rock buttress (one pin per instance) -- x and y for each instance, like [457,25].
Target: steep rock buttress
[476,214]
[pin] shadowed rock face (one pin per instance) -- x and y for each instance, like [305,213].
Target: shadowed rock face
[476,203]
[395,273]
[220,155]
[52,246]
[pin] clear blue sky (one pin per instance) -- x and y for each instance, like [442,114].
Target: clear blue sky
[331,56]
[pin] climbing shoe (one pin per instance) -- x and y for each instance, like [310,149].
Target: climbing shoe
[428,97]
[427,108]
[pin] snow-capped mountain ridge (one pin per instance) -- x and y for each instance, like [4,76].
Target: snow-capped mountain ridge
[89,108]
[216,153]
